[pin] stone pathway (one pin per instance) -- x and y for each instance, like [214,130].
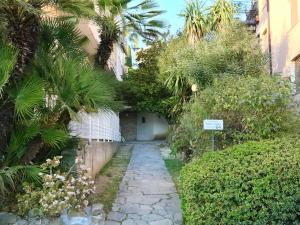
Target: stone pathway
[147,194]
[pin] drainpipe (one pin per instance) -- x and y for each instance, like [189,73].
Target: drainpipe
[269,38]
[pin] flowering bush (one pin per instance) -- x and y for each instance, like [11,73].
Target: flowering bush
[59,191]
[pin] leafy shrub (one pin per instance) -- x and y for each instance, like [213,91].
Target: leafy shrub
[231,51]
[59,191]
[253,108]
[254,183]
[141,88]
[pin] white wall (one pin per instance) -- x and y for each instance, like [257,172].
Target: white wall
[154,127]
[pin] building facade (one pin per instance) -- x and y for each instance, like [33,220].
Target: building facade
[278,30]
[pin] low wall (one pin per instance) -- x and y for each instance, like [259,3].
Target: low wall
[95,155]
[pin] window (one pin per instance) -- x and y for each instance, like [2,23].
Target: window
[294,12]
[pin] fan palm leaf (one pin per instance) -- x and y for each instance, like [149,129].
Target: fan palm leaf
[11,176]
[29,95]
[81,87]
[61,37]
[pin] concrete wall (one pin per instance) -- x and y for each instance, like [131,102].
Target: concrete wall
[143,126]
[96,154]
[285,33]
[151,126]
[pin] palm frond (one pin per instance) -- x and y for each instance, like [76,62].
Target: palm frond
[7,62]
[78,86]
[29,95]
[221,13]
[75,7]
[21,136]
[134,19]
[196,24]
[109,27]
[10,177]
[55,138]
[61,37]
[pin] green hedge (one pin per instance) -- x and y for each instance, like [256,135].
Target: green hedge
[253,108]
[254,183]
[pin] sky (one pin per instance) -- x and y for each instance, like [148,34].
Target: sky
[171,17]
[174,7]
[172,10]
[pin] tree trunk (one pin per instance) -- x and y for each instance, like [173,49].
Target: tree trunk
[33,149]
[104,52]
[23,33]
[6,122]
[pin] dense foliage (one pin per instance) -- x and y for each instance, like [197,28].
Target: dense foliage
[253,183]
[253,108]
[45,79]
[141,88]
[231,51]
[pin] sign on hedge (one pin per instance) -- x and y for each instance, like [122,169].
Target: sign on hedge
[213,125]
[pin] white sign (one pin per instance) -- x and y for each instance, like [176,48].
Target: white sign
[213,125]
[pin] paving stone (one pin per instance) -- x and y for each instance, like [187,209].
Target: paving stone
[112,223]
[152,217]
[21,222]
[116,216]
[134,216]
[97,209]
[7,218]
[147,194]
[162,222]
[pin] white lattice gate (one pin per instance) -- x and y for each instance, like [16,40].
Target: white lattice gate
[101,126]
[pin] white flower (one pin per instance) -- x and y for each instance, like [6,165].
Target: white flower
[62,178]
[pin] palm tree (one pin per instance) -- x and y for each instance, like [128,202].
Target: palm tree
[62,83]
[23,21]
[59,83]
[196,23]
[8,57]
[201,20]
[117,19]
[221,14]
[21,24]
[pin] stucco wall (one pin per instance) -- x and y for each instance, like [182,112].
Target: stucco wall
[285,36]
[95,155]
[151,126]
